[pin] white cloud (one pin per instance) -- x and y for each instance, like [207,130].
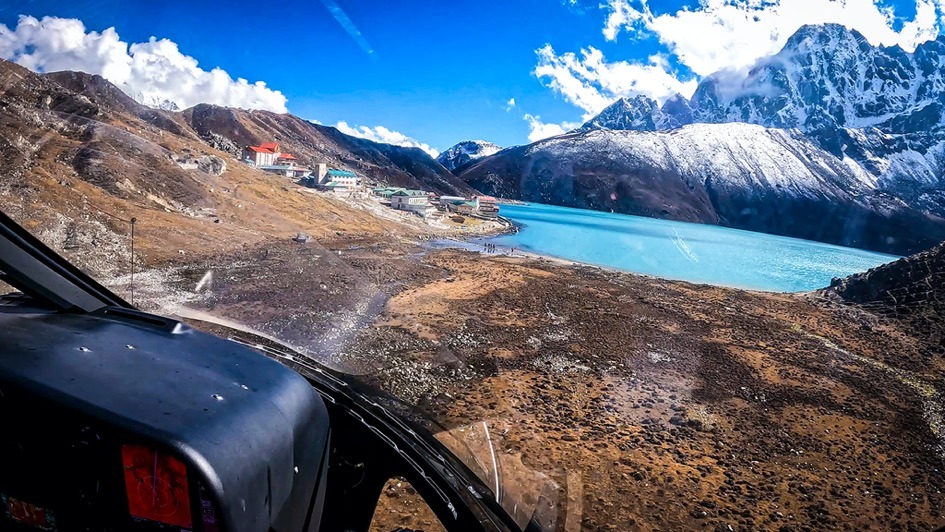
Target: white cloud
[382,134]
[539,130]
[591,83]
[622,15]
[152,72]
[734,34]
[510,104]
[716,35]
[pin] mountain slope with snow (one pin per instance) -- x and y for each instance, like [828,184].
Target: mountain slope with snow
[737,175]
[465,152]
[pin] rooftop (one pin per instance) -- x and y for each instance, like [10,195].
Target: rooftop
[282,167]
[341,173]
[259,149]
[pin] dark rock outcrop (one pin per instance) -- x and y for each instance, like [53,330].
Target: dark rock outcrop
[904,287]
[909,291]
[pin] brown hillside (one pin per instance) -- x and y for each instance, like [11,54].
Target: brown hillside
[231,129]
[78,159]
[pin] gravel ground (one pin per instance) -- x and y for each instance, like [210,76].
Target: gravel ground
[631,403]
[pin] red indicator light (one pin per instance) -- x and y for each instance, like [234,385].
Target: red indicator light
[28,514]
[156,484]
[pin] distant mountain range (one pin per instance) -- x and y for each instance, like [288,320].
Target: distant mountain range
[831,139]
[825,77]
[465,152]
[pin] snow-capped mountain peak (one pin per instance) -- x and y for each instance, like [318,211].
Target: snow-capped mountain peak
[826,76]
[150,99]
[466,152]
[637,113]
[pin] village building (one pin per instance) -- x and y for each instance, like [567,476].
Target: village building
[386,192]
[447,199]
[487,206]
[266,154]
[269,157]
[338,187]
[465,207]
[320,171]
[286,159]
[416,201]
[285,170]
[342,177]
[444,202]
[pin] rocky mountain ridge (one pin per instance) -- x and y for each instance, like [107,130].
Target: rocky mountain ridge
[825,77]
[231,129]
[465,152]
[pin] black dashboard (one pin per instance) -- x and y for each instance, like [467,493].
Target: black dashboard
[120,420]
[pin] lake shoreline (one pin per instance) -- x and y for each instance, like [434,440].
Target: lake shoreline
[696,253]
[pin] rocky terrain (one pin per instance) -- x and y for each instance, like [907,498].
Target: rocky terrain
[855,118]
[910,293]
[631,402]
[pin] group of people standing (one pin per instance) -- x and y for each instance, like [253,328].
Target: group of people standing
[491,248]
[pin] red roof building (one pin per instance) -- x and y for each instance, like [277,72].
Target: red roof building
[267,154]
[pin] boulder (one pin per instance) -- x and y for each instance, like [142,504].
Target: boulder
[211,164]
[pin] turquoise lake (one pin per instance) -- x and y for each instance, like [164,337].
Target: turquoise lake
[684,251]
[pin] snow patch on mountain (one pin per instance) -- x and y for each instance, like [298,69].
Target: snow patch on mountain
[151,100]
[735,155]
[465,152]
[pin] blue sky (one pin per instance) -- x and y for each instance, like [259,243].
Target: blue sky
[444,71]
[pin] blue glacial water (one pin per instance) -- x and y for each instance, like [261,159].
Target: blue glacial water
[677,250]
